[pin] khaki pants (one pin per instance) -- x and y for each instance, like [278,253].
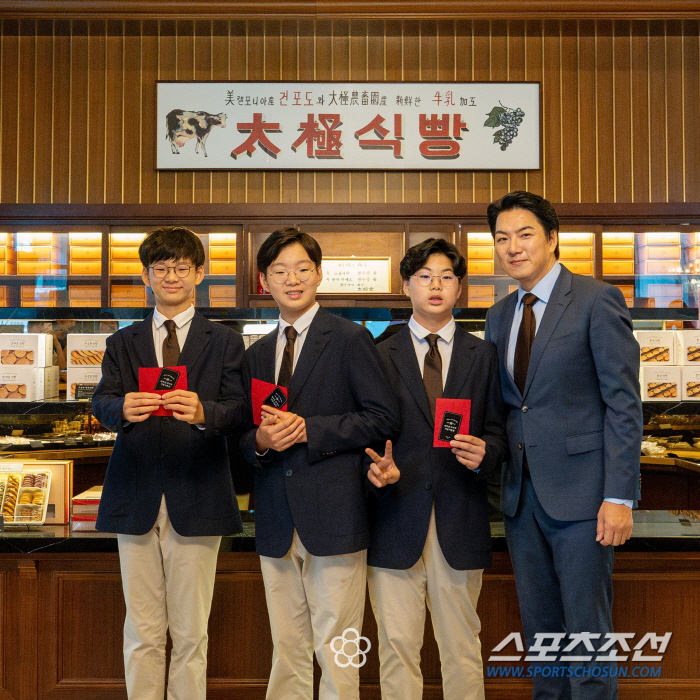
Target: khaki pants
[311,600]
[398,600]
[168,583]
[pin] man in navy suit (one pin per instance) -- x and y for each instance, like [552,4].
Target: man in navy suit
[569,368]
[168,491]
[430,530]
[310,518]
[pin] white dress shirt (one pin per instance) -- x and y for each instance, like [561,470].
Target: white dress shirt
[301,326]
[422,346]
[183,321]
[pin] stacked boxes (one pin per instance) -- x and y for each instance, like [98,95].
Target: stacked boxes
[576,252]
[128,295]
[8,295]
[664,294]
[88,295]
[659,253]
[8,254]
[39,254]
[26,367]
[627,292]
[618,254]
[84,353]
[222,295]
[31,296]
[480,295]
[85,253]
[480,256]
[688,356]
[124,253]
[222,253]
[690,252]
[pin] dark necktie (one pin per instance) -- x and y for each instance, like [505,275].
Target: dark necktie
[526,335]
[432,372]
[171,346]
[286,368]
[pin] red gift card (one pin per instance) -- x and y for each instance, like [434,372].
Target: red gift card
[264,393]
[161,380]
[451,418]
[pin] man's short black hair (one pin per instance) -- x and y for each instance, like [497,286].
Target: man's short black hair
[171,243]
[273,244]
[520,199]
[417,256]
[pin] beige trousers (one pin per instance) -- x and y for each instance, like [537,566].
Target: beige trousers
[168,583]
[310,601]
[398,600]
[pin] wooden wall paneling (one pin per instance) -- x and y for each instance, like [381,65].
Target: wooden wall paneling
[392,69]
[481,72]
[691,109]
[272,180]
[498,70]
[340,62]
[552,97]
[569,112]
[464,179]
[447,181]
[9,109]
[167,70]
[622,116]
[639,113]
[603,125]
[220,71]
[411,72]
[43,111]
[674,111]
[60,112]
[26,116]
[307,61]
[135,129]
[658,106]
[357,60]
[377,180]
[255,62]
[147,177]
[114,125]
[289,70]
[587,141]
[185,70]
[516,70]
[534,70]
[95,157]
[203,59]
[428,71]
[317,186]
[238,70]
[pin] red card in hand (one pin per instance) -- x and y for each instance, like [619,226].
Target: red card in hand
[161,380]
[264,393]
[451,418]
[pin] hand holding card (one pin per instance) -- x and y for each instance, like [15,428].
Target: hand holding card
[161,380]
[266,394]
[451,418]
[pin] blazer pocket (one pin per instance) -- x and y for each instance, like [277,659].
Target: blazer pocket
[575,444]
[563,339]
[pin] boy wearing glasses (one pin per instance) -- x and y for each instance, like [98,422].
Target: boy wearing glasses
[311,520]
[430,532]
[168,491]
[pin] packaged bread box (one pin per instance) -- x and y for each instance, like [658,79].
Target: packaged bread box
[81,382]
[660,383]
[28,383]
[657,347]
[26,349]
[85,349]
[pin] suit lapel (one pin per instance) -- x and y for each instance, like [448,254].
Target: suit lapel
[267,348]
[558,301]
[460,363]
[317,338]
[198,337]
[143,343]
[404,358]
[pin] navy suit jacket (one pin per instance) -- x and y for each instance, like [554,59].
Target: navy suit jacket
[580,417]
[400,512]
[318,487]
[163,455]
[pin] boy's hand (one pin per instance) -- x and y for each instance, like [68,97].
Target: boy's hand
[274,414]
[383,470]
[278,433]
[138,405]
[469,450]
[185,406]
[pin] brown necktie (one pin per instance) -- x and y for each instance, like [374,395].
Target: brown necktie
[171,346]
[285,375]
[526,335]
[432,372]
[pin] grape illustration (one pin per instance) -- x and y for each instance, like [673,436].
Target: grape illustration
[509,120]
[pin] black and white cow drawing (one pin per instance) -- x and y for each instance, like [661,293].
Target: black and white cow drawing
[183,125]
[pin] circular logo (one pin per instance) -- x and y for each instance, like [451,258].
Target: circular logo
[350,648]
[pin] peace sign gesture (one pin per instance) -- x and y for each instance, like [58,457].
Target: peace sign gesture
[382,471]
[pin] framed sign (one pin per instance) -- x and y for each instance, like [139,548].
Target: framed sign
[356,275]
[348,126]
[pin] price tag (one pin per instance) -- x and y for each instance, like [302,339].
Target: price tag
[84,392]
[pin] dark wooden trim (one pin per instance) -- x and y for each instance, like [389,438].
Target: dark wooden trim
[410,9]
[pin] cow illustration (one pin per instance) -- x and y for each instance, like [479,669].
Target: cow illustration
[183,125]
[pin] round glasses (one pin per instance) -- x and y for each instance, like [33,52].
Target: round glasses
[162,270]
[425,280]
[281,276]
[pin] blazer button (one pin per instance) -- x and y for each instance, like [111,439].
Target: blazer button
[167,420]
[288,472]
[428,486]
[520,445]
[524,409]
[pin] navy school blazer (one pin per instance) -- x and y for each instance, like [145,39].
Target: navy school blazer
[163,455]
[400,512]
[317,487]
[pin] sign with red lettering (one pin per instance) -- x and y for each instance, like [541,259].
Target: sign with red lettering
[348,126]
